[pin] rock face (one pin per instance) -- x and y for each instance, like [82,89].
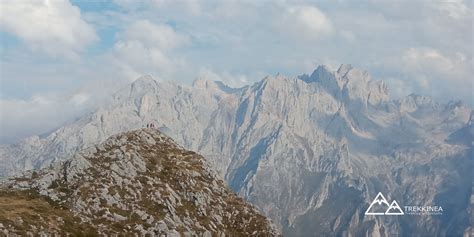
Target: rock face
[310,152]
[138,182]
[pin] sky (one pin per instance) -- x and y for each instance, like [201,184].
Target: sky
[60,57]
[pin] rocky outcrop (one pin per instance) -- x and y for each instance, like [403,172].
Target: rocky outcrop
[138,182]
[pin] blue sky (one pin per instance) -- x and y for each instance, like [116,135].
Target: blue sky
[59,57]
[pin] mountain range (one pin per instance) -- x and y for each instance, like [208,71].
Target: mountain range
[310,152]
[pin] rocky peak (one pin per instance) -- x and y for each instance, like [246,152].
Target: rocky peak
[138,182]
[203,83]
[215,87]
[144,80]
[344,69]
[349,84]
[326,77]
[141,86]
[414,102]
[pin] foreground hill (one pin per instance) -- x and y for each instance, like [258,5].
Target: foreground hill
[137,182]
[310,152]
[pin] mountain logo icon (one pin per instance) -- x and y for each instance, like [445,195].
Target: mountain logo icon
[380,206]
[394,209]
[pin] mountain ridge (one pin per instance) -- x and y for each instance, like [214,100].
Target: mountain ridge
[291,145]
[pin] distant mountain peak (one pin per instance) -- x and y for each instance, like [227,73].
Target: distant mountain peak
[322,69]
[349,84]
[144,79]
[143,83]
[201,82]
[204,83]
[214,86]
[414,101]
[344,68]
[325,76]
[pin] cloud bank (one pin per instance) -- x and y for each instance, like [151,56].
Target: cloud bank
[59,55]
[52,27]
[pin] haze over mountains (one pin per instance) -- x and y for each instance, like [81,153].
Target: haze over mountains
[310,152]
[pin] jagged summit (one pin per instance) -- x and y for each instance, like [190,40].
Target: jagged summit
[325,75]
[216,87]
[324,71]
[344,69]
[147,78]
[142,82]
[138,88]
[203,82]
[139,182]
[349,84]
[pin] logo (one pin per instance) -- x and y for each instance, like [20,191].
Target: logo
[380,206]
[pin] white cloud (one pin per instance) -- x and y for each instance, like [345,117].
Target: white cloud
[80,98]
[40,114]
[423,47]
[52,27]
[160,36]
[453,8]
[348,35]
[438,74]
[453,67]
[306,21]
[192,7]
[398,88]
[147,48]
